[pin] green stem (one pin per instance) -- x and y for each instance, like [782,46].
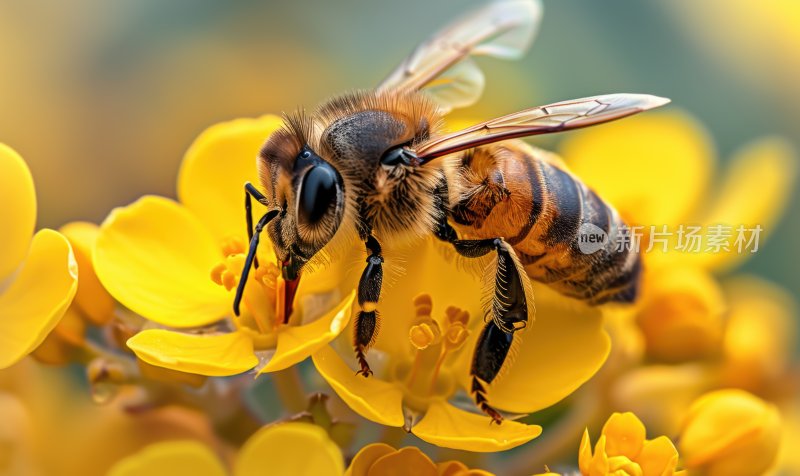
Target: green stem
[290,389]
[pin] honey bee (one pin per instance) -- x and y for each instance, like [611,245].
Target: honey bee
[376,166]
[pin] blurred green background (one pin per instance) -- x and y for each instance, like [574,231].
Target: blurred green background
[103,97]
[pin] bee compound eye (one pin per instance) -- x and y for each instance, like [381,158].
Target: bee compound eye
[317,193]
[398,155]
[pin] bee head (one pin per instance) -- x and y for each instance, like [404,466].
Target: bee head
[307,189]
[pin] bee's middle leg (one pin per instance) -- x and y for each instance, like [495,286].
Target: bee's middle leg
[508,312]
[367,321]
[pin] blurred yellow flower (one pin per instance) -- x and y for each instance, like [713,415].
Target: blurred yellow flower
[681,309]
[50,428]
[730,433]
[300,449]
[38,273]
[623,450]
[760,337]
[176,264]
[755,353]
[681,314]
[92,304]
[421,359]
[380,459]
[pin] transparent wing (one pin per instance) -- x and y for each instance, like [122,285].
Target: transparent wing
[502,29]
[557,117]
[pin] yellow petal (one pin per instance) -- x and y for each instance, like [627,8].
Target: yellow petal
[155,258]
[214,355]
[658,456]
[447,426]
[366,457]
[755,191]
[215,169]
[405,461]
[621,465]
[92,298]
[564,347]
[599,465]
[428,270]
[38,296]
[452,468]
[653,168]
[585,452]
[18,212]
[170,458]
[300,449]
[296,343]
[370,397]
[625,435]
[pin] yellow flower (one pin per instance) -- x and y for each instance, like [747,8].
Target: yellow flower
[755,354]
[730,433]
[92,304]
[656,170]
[380,459]
[422,357]
[288,448]
[38,273]
[623,450]
[760,336]
[177,263]
[54,430]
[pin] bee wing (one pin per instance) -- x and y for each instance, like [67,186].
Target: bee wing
[503,29]
[557,117]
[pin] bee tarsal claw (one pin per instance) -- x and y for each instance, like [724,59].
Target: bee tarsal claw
[362,361]
[494,414]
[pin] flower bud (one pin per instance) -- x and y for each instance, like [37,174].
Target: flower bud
[731,433]
[622,450]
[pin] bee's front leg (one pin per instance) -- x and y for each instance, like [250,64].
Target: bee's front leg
[367,321]
[508,312]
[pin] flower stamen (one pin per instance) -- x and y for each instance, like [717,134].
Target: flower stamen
[260,296]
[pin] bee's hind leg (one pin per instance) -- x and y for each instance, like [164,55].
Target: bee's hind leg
[367,321]
[508,311]
[491,351]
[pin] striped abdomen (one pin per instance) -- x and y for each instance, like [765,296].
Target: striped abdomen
[563,233]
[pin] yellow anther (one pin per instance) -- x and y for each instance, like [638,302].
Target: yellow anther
[267,274]
[424,335]
[233,245]
[455,336]
[229,280]
[456,315]
[216,272]
[423,304]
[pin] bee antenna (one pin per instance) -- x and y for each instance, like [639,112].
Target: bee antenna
[251,254]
